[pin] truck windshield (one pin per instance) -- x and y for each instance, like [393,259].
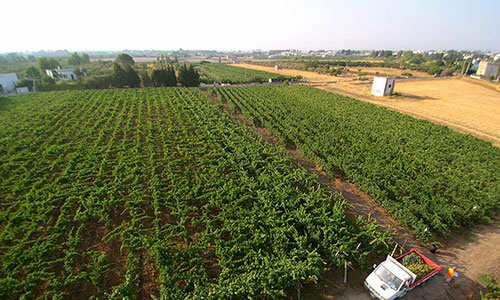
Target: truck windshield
[388,278]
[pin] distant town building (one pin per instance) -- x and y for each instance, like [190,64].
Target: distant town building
[487,69]
[62,74]
[278,67]
[383,86]
[8,82]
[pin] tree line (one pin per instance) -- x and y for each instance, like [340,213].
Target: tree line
[124,75]
[122,72]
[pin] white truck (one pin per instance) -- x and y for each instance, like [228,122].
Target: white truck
[391,280]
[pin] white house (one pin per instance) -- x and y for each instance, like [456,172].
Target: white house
[487,69]
[383,86]
[7,82]
[62,74]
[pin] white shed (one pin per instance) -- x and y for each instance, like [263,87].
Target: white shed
[383,86]
[7,82]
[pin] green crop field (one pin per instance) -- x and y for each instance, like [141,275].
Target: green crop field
[135,193]
[222,73]
[428,176]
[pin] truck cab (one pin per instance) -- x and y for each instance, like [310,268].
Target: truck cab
[389,280]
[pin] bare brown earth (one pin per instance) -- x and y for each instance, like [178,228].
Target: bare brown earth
[473,253]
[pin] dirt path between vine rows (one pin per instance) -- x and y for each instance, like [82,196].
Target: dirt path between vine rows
[474,253]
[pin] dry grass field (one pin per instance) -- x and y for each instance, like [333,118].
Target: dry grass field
[372,71]
[310,76]
[464,104]
[315,77]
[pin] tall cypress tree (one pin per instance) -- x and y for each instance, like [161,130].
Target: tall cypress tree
[172,79]
[165,76]
[194,76]
[147,81]
[188,76]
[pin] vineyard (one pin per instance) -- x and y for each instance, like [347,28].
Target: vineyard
[222,73]
[130,193]
[431,178]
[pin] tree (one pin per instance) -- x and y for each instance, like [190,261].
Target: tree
[119,76]
[78,71]
[147,81]
[31,72]
[98,82]
[125,60]
[24,83]
[45,63]
[85,58]
[407,55]
[417,59]
[361,73]
[123,77]
[447,72]
[165,76]
[188,76]
[46,79]
[74,60]
[386,53]
[433,68]
[133,79]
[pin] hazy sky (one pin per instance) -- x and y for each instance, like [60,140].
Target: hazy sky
[246,25]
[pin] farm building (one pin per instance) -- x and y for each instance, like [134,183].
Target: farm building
[62,74]
[487,69]
[7,82]
[383,86]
